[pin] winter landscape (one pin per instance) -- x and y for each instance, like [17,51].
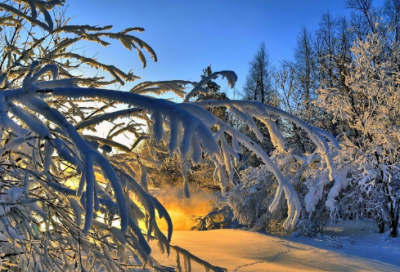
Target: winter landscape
[291,165]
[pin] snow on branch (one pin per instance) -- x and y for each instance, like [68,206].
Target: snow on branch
[106,117]
[191,123]
[161,87]
[54,46]
[195,124]
[231,77]
[31,19]
[261,111]
[105,183]
[292,199]
[119,75]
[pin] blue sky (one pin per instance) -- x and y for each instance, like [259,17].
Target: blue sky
[189,35]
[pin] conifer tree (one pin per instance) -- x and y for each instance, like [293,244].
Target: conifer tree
[259,85]
[214,93]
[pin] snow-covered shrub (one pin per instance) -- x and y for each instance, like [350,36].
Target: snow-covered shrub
[317,193]
[217,219]
[246,111]
[251,199]
[309,177]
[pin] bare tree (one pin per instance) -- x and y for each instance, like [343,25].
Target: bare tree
[392,10]
[332,48]
[365,18]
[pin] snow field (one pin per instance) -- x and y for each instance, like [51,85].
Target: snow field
[240,250]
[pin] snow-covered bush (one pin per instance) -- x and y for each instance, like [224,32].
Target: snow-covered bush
[71,200]
[309,177]
[251,198]
[246,111]
[217,219]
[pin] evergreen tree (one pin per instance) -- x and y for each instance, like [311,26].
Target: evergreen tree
[213,93]
[305,68]
[259,85]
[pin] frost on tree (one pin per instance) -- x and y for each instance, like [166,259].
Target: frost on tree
[72,200]
[367,110]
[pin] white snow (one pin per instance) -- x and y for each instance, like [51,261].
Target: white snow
[240,250]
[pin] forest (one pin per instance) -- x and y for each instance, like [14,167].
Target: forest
[91,175]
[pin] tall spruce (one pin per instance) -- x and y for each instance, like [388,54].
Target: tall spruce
[259,85]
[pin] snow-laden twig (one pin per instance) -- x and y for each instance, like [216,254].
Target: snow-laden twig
[199,88]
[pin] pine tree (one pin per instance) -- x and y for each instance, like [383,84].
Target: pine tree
[259,85]
[305,68]
[213,93]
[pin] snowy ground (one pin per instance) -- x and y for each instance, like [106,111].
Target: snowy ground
[353,247]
